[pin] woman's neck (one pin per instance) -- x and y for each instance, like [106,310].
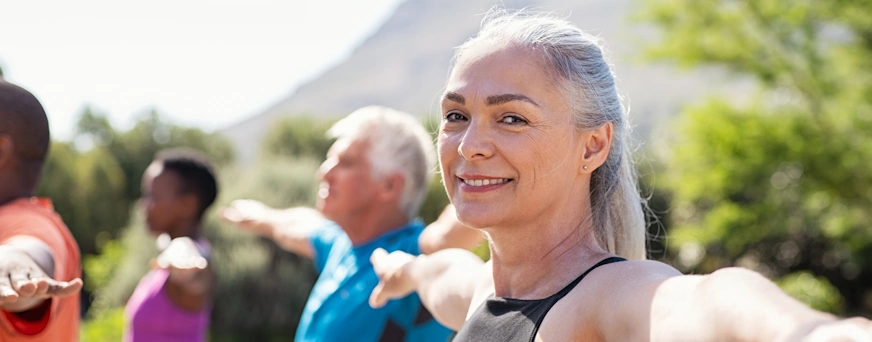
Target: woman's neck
[536,262]
[190,230]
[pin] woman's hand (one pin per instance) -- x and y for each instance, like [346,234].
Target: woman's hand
[185,262]
[392,271]
[182,254]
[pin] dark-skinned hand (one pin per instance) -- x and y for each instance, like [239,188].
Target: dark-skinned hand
[24,284]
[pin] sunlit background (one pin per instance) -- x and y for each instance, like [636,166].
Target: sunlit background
[753,121]
[201,63]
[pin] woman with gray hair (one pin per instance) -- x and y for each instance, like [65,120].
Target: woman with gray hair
[533,151]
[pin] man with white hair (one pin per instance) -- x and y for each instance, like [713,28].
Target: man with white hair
[372,185]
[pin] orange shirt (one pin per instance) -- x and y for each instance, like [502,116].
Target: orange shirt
[35,217]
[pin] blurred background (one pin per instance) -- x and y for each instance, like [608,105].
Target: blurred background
[753,123]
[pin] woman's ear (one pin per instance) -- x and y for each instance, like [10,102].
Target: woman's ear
[597,144]
[190,203]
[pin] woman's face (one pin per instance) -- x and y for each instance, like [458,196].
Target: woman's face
[161,200]
[509,151]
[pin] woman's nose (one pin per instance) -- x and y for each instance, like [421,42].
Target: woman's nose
[476,142]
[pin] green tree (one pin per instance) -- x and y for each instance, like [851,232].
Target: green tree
[87,190]
[298,136]
[136,148]
[94,180]
[779,183]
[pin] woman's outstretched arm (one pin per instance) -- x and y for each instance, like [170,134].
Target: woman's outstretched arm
[745,306]
[731,304]
[445,281]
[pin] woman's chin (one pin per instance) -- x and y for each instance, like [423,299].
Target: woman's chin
[477,218]
[153,231]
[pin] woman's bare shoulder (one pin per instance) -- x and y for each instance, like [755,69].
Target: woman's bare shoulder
[649,267]
[613,301]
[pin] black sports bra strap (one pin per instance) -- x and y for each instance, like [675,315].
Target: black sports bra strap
[575,282]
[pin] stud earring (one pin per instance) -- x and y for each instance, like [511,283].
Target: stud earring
[584,167]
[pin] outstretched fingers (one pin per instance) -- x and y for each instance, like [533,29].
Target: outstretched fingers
[393,283]
[22,284]
[230,215]
[377,298]
[45,287]
[64,288]
[377,259]
[7,293]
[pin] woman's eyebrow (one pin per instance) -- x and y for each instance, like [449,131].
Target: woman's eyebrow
[491,100]
[450,95]
[500,99]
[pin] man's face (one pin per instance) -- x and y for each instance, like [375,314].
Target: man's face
[347,186]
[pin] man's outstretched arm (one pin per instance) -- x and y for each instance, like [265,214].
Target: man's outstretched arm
[289,228]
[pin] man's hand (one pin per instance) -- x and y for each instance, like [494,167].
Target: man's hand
[289,228]
[23,283]
[249,215]
[392,273]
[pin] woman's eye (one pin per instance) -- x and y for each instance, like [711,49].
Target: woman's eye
[512,120]
[454,116]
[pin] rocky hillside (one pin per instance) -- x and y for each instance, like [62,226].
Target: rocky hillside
[405,62]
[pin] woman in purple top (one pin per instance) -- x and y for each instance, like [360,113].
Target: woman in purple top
[173,301]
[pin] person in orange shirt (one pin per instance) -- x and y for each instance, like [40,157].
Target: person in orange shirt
[39,259]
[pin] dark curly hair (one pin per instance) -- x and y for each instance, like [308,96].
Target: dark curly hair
[195,171]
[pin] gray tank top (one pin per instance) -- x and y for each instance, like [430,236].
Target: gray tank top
[507,319]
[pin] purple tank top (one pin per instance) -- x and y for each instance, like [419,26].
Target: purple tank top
[151,316]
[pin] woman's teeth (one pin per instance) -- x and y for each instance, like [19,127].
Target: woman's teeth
[483,182]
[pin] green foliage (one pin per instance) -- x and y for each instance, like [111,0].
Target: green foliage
[135,149]
[435,201]
[94,180]
[814,291]
[261,289]
[87,190]
[113,274]
[298,136]
[101,267]
[108,327]
[780,183]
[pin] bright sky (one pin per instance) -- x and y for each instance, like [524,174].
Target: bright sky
[203,63]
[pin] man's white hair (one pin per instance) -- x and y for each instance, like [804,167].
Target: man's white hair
[398,143]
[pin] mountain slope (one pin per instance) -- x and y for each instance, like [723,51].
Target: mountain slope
[405,63]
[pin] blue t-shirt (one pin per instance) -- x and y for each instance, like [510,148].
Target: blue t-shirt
[338,307]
